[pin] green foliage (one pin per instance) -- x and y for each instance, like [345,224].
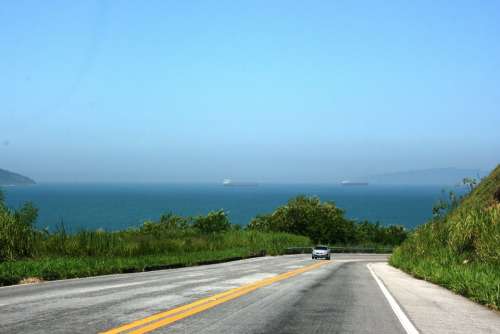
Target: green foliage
[2,201]
[470,182]
[479,281]
[476,234]
[174,239]
[17,233]
[483,195]
[171,241]
[373,233]
[51,268]
[445,205]
[460,247]
[168,223]
[98,253]
[214,222]
[323,222]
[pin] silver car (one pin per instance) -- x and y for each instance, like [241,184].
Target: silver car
[321,252]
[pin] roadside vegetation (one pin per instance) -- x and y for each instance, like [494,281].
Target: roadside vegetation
[324,222]
[172,241]
[460,247]
[28,253]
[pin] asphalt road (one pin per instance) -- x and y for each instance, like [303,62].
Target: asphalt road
[340,296]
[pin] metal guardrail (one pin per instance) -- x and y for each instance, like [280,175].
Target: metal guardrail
[340,249]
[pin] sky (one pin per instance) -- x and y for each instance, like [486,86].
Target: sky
[268,91]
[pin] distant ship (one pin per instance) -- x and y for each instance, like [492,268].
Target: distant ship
[351,183]
[231,183]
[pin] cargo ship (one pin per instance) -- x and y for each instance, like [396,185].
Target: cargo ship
[351,183]
[231,183]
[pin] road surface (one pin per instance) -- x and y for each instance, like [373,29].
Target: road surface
[286,294]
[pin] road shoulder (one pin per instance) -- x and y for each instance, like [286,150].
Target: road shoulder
[433,309]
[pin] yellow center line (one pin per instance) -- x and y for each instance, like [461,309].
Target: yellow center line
[167,317]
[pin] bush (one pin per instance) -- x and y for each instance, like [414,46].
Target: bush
[324,222]
[17,234]
[214,222]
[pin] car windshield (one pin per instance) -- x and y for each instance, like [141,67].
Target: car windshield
[321,248]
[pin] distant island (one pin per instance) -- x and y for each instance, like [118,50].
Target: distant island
[8,178]
[434,176]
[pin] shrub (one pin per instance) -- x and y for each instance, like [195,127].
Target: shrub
[17,234]
[213,222]
[324,222]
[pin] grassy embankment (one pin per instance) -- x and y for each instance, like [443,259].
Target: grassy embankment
[460,249]
[174,241]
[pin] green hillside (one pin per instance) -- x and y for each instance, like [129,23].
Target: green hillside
[485,194]
[13,179]
[460,249]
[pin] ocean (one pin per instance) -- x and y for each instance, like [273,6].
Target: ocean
[119,206]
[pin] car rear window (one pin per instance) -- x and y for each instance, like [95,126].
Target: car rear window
[321,248]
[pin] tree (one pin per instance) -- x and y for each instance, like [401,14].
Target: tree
[470,182]
[321,221]
[324,222]
[213,222]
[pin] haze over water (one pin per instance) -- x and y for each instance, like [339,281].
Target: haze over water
[281,91]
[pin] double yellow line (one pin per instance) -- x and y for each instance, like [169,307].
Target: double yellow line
[166,318]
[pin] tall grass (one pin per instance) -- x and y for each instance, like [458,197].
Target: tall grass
[88,253]
[137,243]
[51,268]
[28,252]
[478,281]
[17,234]
[170,242]
[460,250]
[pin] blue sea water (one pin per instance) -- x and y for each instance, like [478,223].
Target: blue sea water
[118,206]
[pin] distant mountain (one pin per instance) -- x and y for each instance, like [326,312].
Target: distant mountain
[435,176]
[13,179]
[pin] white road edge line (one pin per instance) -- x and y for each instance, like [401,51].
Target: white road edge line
[403,319]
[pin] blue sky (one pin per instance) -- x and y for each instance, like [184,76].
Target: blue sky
[281,91]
